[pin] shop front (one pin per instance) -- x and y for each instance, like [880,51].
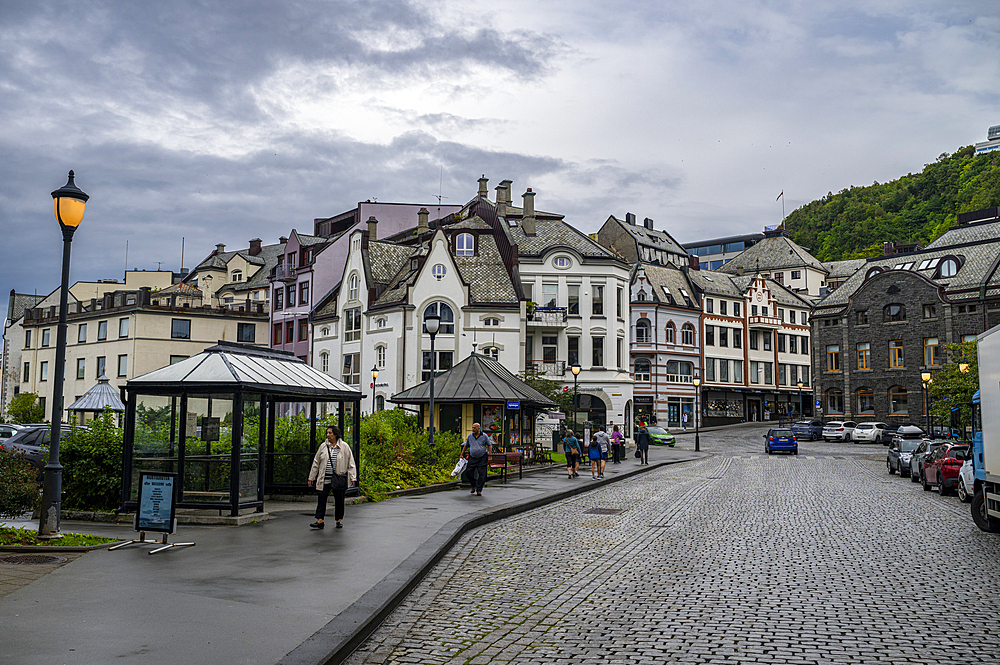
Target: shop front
[645,411]
[723,408]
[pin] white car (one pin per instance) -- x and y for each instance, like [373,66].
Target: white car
[838,430]
[869,432]
[966,482]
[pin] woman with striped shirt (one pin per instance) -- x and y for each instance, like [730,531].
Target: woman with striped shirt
[333,470]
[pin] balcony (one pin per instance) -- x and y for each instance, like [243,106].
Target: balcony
[678,378]
[547,317]
[553,368]
[284,273]
[769,322]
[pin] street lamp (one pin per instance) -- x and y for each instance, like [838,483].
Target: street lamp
[925,377]
[432,322]
[576,376]
[69,202]
[697,392]
[801,412]
[374,376]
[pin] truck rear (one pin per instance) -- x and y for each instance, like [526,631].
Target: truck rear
[986,434]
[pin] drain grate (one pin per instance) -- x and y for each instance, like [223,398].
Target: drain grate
[604,511]
[31,559]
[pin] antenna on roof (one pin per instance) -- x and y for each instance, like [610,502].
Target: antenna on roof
[440,191]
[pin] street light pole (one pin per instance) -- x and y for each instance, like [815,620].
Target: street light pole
[801,412]
[69,202]
[925,378]
[697,393]
[374,376]
[433,323]
[576,375]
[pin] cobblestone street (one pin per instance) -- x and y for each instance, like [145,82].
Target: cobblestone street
[739,558]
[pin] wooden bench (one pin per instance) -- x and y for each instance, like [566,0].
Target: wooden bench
[504,462]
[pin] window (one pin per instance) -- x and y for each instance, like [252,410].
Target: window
[276,334]
[27,372]
[597,346]
[380,403]
[550,295]
[930,312]
[27,339]
[687,334]
[492,352]
[180,328]
[573,299]
[618,352]
[723,336]
[768,373]
[101,364]
[237,276]
[291,259]
[246,332]
[755,339]
[791,316]
[572,349]
[642,334]
[861,318]
[723,370]
[804,347]
[465,245]
[352,324]
[763,311]
[444,360]
[491,322]
[864,356]
[46,337]
[736,309]
[122,365]
[618,301]
[324,362]
[279,297]
[968,338]
[833,358]
[709,335]
[102,331]
[642,372]
[779,277]
[439,271]
[897,401]
[81,333]
[304,293]
[766,337]
[597,308]
[781,343]
[866,401]
[380,357]
[948,268]
[446,314]
[289,332]
[755,371]
[803,318]
[894,312]
[896,353]
[352,288]
[753,310]
[710,369]
[43,372]
[709,305]
[122,328]
[176,359]
[738,371]
[931,357]
[81,368]
[671,332]
[737,338]
[834,401]
[303,330]
[679,372]
[380,323]
[352,369]
[549,345]
[796,274]
[792,343]
[783,374]
[290,295]
[560,262]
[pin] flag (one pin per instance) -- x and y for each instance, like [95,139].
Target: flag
[780,195]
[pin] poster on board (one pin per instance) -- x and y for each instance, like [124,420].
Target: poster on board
[492,417]
[155,508]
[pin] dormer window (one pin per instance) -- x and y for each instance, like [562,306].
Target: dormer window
[465,245]
[439,271]
[948,267]
[237,276]
[352,292]
[561,262]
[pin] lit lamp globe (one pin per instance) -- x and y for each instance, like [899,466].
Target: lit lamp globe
[576,369]
[696,381]
[69,203]
[374,372]
[925,377]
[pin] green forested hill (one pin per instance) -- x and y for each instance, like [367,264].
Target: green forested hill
[918,207]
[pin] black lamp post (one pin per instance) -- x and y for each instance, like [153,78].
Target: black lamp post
[374,376]
[432,322]
[697,393]
[576,376]
[69,202]
[925,378]
[801,412]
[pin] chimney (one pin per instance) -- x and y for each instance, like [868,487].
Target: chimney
[501,200]
[505,184]
[888,249]
[372,228]
[422,225]
[528,219]
[739,270]
[648,223]
[255,247]
[282,240]
[630,218]
[220,248]
[693,262]
[484,192]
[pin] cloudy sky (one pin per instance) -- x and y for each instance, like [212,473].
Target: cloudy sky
[220,122]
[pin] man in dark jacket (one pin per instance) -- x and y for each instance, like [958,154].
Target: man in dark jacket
[642,441]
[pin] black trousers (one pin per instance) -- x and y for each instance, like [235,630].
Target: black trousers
[645,456]
[338,499]
[616,454]
[477,471]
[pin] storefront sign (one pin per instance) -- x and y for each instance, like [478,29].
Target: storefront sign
[513,404]
[155,508]
[643,399]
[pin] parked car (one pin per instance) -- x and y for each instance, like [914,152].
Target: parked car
[838,430]
[966,481]
[808,429]
[661,436]
[8,430]
[870,432]
[31,441]
[780,439]
[898,456]
[920,455]
[942,466]
[908,432]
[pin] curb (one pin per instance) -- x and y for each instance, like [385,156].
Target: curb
[337,640]
[452,484]
[32,549]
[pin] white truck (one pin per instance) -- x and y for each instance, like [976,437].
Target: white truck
[986,434]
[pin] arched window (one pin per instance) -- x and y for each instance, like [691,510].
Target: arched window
[465,245]
[560,262]
[894,312]
[866,402]
[447,317]
[687,334]
[324,331]
[380,356]
[642,369]
[835,401]
[237,276]
[352,293]
[439,271]
[948,268]
[491,322]
[324,362]
[872,272]
[897,401]
[492,352]
[642,335]
[641,296]
[380,323]
[671,333]
[380,403]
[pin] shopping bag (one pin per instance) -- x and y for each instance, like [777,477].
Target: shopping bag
[460,467]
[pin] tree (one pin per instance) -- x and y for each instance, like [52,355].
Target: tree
[25,408]
[952,387]
[19,489]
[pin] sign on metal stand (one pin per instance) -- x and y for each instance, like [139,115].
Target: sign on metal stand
[154,511]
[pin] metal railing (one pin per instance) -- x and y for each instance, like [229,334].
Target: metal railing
[554,368]
[548,315]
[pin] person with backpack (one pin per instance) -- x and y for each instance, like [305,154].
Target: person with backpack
[594,453]
[642,442]
[604,443]
[573,451]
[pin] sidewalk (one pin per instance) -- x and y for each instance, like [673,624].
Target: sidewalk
[269,592]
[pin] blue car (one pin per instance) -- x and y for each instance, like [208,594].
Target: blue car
[780,440]
[808,429]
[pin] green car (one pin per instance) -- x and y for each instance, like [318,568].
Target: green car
[661,436]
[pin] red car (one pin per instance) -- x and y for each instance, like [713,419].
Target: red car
[942,466]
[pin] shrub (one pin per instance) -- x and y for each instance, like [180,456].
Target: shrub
[19,488]
[25,408]
[92,465]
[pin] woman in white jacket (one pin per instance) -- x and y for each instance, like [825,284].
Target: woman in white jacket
[333,470]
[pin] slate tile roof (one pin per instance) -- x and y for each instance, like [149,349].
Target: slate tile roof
[20,303]
[652,238]
[478,378]
[715,283]
[781,294]
[772,253]
[667,283]
[843,269]
[551,233]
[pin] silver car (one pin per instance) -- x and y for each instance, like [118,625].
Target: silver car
[923,451]
[838,430]
[898,457]
[966,482]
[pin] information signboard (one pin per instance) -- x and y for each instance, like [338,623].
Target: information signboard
[513,404]
[157,500]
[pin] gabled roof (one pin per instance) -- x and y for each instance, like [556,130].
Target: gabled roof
[652,238]
[98,398]
[774,252]
[554,233]
[668,285]
[715,283]
[843,269]
[20,303]
[179,288]
[781,294]
[478,378]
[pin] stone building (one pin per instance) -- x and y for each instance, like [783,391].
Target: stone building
[891,321]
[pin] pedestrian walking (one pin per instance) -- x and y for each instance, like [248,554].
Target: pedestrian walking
[604,443]
[594,454]
[642,445]
[333,470]
[573,451]
[684,420]
[477,445]
[617,445]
